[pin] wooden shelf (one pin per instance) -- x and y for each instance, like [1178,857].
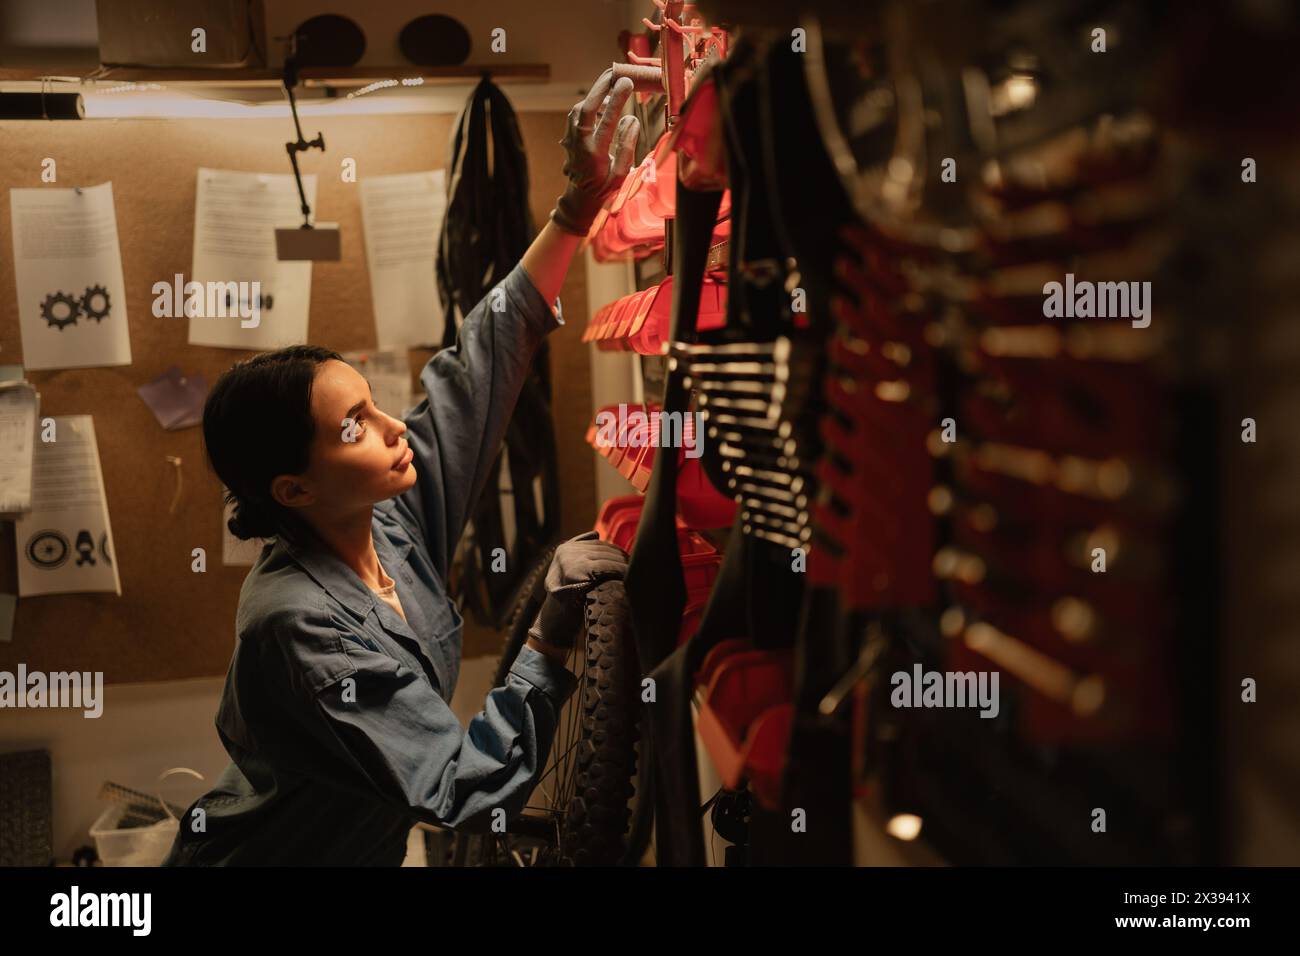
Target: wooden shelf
[338,77]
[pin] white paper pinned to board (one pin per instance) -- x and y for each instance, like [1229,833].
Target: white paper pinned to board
[65,544]
[402,217]
[19,409]
[235,218]
[68,270]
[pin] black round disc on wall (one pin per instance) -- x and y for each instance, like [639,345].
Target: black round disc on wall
[329,40]
[435,40]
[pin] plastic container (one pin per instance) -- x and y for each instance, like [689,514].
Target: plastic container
[135,846]
[745,715]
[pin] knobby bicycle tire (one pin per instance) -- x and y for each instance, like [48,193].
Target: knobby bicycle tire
[595,820]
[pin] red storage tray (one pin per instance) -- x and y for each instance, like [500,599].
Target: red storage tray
[745,715]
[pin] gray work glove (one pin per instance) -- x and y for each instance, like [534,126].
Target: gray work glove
[578,566]
[599,149]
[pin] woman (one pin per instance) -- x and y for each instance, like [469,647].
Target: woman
[335,711]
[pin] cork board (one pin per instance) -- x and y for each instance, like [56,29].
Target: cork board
[169,622]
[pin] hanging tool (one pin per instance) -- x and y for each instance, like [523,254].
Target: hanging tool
[316,243]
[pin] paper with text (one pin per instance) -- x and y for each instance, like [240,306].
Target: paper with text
[68,271]
[402,217]
[65,544]
[19,409]
[235,218]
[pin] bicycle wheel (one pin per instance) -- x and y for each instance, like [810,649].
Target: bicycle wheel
[600,786]
[579,811]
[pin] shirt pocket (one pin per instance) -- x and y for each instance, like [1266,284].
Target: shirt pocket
[355,637]
[320,660]
[448,640]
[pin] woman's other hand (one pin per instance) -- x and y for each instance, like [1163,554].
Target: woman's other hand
[579,565]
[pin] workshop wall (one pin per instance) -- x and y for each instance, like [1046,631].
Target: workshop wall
[169,622]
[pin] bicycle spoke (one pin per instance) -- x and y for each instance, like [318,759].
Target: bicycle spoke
[541,784]
[558,746]
[554,781]
[566,777]
[553,766]
[561,760]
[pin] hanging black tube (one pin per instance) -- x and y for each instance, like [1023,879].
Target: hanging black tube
[34,106]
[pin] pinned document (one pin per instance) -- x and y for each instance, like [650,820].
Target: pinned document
[65,544]
[68,267]
[240,295]
[402,217]
[19,408]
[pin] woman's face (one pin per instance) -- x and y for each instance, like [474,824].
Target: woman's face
[359,455]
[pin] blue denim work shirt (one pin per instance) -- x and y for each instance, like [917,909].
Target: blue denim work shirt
[335,711]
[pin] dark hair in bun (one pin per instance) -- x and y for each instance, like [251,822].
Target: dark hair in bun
[257,424]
